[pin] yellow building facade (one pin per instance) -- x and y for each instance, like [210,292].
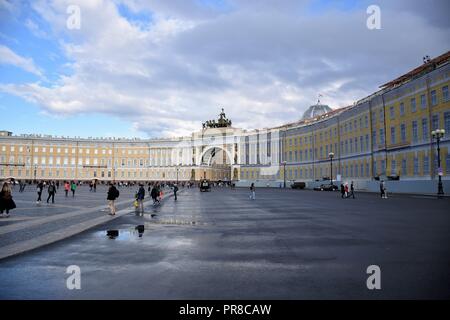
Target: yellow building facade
[387,134]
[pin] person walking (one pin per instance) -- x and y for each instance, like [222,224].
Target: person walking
[252,191]
[6,201]
[40,187]
[383,190]
[342,191]
[51,192]
[140,198]
[73,188]
[175,190]
[155,193]
[346,190]
[66,188]
[352,190]
[113,194]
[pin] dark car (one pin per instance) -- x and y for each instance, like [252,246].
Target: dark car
[205,186]
[298,185]
[327,187]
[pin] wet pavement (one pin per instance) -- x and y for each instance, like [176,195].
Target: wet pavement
[287,244]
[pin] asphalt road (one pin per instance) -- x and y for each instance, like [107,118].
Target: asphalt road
[287,244]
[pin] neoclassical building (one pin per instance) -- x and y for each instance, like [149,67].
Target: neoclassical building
[387,134]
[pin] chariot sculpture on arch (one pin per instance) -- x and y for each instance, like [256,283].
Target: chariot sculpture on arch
[222,122]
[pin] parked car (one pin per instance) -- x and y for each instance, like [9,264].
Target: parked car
[298,185]
[327,187]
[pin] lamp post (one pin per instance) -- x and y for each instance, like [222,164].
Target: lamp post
[439,134]
[331,156]
[284,174]
[35,171]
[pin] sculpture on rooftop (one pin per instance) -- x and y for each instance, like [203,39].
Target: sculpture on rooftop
[222,122]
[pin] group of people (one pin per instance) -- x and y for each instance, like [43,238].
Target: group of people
[155,190]
[345,192]
[52,190]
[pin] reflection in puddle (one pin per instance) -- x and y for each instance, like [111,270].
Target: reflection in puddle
[112,234]
[125,234]
[140,229]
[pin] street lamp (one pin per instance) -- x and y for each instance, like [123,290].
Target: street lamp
[284,173]
[331,156]
[439,134]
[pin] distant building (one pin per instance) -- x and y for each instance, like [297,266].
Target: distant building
[387,134]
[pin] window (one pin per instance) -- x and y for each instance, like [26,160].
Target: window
[403,132]
[445,93]
[423,101]
[426,165]
[392,112]
[435,122]
[381,116]
[416,166]
[393,138]
[413,105]
[393,167]
[415,134]
[361,144]
[425,129]
[382,136]
[447,123]
[374,138]
[433,98]
[403,167]
[402,109]
[447,163]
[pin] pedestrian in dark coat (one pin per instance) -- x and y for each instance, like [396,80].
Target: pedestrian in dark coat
[39,188]
[175,190]
[51,192]
[155,194]
[342,191]
[6,201]
[140,198]
[113,194]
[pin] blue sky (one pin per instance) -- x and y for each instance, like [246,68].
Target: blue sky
[160,68]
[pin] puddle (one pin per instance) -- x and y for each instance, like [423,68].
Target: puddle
[123,234]
[178,222]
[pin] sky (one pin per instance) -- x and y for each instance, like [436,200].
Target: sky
[147,69]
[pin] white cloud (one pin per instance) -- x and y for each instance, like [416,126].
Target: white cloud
[264,63]
[7,56]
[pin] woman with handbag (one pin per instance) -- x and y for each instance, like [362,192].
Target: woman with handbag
[6,201]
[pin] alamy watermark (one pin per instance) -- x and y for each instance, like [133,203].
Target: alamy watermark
[374,20]
[74,19]
[74,280]
[374,280]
